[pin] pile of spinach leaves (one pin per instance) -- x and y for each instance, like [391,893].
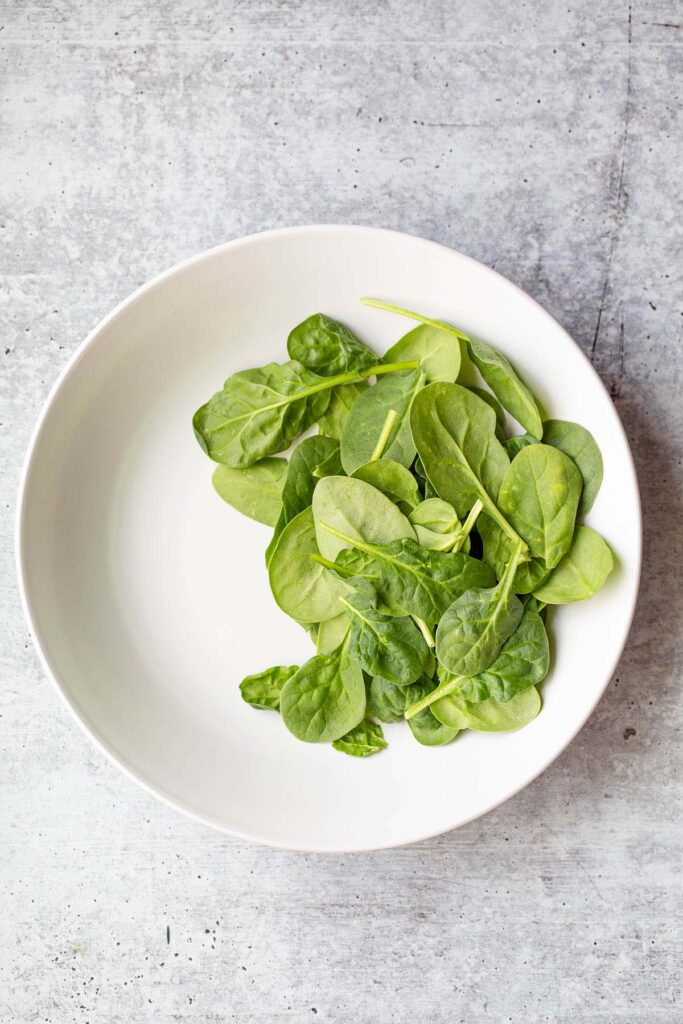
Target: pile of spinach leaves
[416,540]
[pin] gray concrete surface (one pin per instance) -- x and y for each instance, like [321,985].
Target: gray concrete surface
[543,138]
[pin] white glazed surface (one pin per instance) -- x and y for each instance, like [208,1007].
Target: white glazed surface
[148,596]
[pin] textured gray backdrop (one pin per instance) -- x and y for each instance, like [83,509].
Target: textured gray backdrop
[543,138]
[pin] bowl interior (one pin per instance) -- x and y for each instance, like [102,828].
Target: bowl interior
[149,598]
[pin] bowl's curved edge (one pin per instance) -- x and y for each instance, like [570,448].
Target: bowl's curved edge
[91,730]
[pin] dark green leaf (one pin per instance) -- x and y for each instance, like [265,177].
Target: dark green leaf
[357,510]
[392,479]
[263,690]
[388,646]
[367,417]
[365,739]
[509,389]
[300,481]
[301,587]
[325,699]
[328,347]
[255,491]
[437,351]
[580,445]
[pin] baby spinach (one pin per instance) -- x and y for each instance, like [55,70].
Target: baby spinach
[427,729]
[579,444]
[331,632]
[523,661]
[255,491]
[581,572]
[497,552]
[488,715]
[300,482]
[260,412]
[514,445]
[507,386]
[364,739]
[357,510]
[325,698]
[392,479]
[410,578]
[302,587]
[454,432]
[368,415]
[332,421]
[385,645]
[477,624]
[498,410]
[386,700]
[540,495]
[328,348]
[263,690]
[436,350]
[436,524]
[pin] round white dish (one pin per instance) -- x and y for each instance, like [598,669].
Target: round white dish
[148,598]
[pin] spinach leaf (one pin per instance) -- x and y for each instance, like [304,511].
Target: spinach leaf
[507,386]
[263,690]
[332,421]
[331,632]
[365,739]
[255,491]
[302,587]
[497,552]
[300,481]
[514,445]
[413,579]
[392,479]
[580,445]
[436,350]
[523,661]
[540,495]
[489,715]
[427,729]
[436,524]
[385,700]
[582,571]
[357,510]
[385,645]
[328,347]
[425,483]
[477,624]
[368,415]
[493,402]
[325,699]
[455,436]
[260,412]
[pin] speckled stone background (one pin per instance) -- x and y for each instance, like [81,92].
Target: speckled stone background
[543,138]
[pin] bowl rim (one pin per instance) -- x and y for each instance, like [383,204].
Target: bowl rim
[91,730]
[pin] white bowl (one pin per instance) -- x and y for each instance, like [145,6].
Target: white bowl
[148,597]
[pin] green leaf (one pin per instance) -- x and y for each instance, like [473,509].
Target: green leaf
[385,645]
[455,436]
[331,632]
[392,479]
[386,701]
[368,414]
[260,412]
[300,481]
[498,409]
[489,715]
[514,445]
[477,624]
[413,579]
[436,524]
[365,739]
[507,386]
[497,552]
[255,491]
[582,571]
[263,690]
[427,729]
[580,445]
[437,351]
[301,587]
[332,421]
[325,699]
[327,347]
[358,510]
[539,495]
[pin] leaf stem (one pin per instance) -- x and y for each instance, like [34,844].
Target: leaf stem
[392,416]
[425,630]
[412,315]
[467,526]
[360,545]
[441,691]
[380,368]
[327,564]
